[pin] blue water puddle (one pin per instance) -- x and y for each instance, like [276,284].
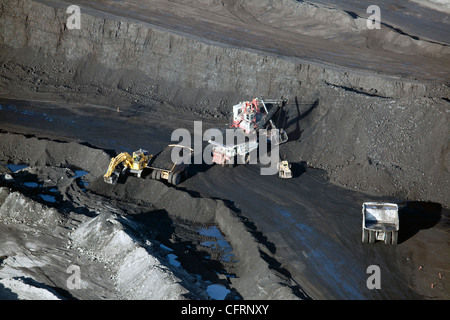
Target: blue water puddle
[304,228]
[79,173]
[8,107]
[83,184]
[218,243]
[217,291]
[287,215]
[31,184]
[16,167]
[211,232]
[173,260]
[27,113]
[45,197]
[48,198]
[165,247]
[170,256]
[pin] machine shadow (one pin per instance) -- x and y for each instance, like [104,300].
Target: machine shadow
[415,216]
[298,168]
[296,133]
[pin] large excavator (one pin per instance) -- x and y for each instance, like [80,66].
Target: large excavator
[136,164]
[251,116]
[160,165]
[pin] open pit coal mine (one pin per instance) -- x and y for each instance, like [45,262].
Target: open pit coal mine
[367,117]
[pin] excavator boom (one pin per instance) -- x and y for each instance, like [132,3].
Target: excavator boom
[111,176]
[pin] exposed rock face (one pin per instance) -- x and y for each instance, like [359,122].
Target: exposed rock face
[167,65]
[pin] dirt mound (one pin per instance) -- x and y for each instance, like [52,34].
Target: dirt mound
[36,254]
[137,274]
[179,204]
[134,273]
[383,146]
[43,152]
[16,207]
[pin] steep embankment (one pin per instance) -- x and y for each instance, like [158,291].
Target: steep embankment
[166,65]
[379,133]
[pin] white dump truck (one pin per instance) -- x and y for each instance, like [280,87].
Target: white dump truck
[380,222]
[284,169]
[227,154]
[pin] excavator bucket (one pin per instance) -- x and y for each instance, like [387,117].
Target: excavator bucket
[112,179]
[283,136]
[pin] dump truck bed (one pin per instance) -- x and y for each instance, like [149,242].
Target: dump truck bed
[163,159]
[380,216]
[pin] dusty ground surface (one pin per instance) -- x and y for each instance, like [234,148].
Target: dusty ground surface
[367,120]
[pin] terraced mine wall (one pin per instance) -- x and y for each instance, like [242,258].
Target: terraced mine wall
[382,134]
[167,65]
